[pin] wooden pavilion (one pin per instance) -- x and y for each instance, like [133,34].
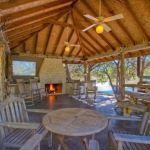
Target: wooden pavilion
[49,34]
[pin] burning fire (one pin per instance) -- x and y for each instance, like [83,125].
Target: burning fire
[51,88]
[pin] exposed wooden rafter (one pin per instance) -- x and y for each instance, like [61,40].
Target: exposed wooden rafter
[59,37]
[43,20]
[31,5]
[119,22]
[134,48]
[69,38]
[47,39]
[78,35]
[127,5]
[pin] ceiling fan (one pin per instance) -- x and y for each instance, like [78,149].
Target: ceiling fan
[69,45]
[100,21]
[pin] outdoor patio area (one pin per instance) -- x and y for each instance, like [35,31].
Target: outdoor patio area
[104,106]
[74,74]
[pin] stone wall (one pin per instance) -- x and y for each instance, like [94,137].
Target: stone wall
[52,71]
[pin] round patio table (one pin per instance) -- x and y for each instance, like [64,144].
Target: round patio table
[74,122]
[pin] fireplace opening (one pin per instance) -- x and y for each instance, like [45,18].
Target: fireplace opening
[54,88]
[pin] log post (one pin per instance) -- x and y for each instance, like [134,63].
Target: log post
[87,72]
[122,77]
[2,71]
[67,73]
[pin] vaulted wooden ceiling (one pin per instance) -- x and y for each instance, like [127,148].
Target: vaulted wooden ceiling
[42,26]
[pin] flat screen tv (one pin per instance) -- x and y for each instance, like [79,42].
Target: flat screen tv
[23,68]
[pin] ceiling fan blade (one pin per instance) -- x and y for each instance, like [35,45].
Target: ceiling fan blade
[106,27]
[66,43]
[74,45]
[91,26]
[112,18]
[91,17]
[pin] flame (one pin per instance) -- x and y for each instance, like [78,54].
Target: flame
[51,88]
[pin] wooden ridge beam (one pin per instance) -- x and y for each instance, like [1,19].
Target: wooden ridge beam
[125,50]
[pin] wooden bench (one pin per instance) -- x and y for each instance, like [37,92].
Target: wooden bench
[15,128]
[129,107]
[124,140]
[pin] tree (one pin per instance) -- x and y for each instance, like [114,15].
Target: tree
[106,72]
[76,71]
[109,71]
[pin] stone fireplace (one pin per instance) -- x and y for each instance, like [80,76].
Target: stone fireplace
[53,75]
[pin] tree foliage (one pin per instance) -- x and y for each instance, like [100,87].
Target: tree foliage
[76,71]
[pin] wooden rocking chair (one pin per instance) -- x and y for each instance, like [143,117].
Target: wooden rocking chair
[124,140]
[37,92]
[91,89]
[76,88]
[15,128]
[25,92]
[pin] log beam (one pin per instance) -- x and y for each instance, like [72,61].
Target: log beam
[31,5]
[44,20]
[125,50]
[78,35]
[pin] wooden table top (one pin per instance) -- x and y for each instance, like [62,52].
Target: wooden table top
[75,122]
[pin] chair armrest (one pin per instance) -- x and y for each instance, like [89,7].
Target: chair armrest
[136,107]
[124,118]
[33,142]
[42,111]
[132,138]
[20,125]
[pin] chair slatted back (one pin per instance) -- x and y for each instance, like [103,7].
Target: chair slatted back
[34,84]
[20,85]
[91,84]
[144,128]
[28,88]
[76,84]
[13,109]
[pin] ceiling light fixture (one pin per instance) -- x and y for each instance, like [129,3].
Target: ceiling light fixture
[67,49]
[99,29]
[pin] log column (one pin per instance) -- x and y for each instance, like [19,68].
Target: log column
[87,72]
[2,72]
[122,77]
